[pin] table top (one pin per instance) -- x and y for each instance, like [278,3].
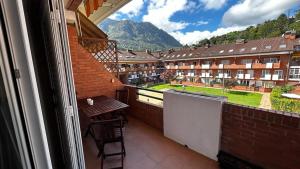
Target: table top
[102,105]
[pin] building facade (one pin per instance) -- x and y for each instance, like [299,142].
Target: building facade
[254,65]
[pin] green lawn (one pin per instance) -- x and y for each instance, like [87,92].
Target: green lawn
[238,97]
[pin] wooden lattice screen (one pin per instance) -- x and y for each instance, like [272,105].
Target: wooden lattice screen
[105,51]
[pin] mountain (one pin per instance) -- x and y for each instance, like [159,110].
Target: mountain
[138,35]
[268,29]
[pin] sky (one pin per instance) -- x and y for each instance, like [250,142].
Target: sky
[189,21]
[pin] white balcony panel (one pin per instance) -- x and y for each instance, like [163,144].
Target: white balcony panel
[221,66]
[192,66]
[275,77]
[248,65]
[199,117]
[220,75]
[207,74]
[247,76]
[205,66]
[267,77]
[202,74]
[168,67]
[240,76]
[269,65]
[176,66]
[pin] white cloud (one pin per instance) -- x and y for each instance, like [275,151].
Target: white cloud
[160,12]
[195,36]
[199,23]
[133,8]
[213,4]
[115,16]
[249,12]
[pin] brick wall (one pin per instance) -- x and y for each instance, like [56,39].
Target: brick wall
[150,114]
[90,76]
[267,139]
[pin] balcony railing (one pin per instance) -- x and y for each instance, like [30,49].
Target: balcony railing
[150,96]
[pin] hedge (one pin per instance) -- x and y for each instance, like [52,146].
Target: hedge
[283,104]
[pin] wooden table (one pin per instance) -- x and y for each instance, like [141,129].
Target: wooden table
[102,105]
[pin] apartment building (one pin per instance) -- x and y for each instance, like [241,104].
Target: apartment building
[139,67]
[255,65]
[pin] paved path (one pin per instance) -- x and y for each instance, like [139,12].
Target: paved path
[265,102]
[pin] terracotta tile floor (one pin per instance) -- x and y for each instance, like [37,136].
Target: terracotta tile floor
[147,148]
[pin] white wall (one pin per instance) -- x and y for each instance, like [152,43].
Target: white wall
[193,120]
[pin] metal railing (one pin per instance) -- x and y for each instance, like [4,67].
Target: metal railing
[150,96]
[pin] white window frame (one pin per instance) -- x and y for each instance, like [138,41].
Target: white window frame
[292,73]
[246,61]
[279,73]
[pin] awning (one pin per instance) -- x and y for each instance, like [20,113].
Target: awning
[98,10]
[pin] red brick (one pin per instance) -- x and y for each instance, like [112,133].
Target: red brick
[90,76]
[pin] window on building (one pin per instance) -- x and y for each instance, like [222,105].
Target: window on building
[183,55]
[242,49]
[228,72]
[231,50]
[206,62]
[190,54]
[271,60]
[265,72]
[240,72]
[245,61]
[254,48]
[178,56]
[279,73]
[221,51]
[294,73]
[225,62]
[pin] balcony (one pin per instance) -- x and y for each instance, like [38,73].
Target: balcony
[205,66]
[206,75]
[249,76]
[266,77]
[234,66]
[147,148]
[240,76]
[185,67]
[226,75]
[266,66]
[214,66]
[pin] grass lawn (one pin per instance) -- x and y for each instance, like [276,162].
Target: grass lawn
[238,97]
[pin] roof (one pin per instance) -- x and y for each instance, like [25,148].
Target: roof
[261,46]
[142,57]
[267,46]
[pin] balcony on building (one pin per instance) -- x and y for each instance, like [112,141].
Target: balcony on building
[175,129]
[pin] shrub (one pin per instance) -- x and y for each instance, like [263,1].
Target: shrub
[284,104]
[286,89]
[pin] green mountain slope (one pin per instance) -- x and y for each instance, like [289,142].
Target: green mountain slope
[268,29]
[138,36]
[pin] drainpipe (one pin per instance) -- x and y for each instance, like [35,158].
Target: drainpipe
[288,69]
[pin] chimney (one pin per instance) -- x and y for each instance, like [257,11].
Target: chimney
[240,41]
[148,51]
[170,50]
[291,35]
